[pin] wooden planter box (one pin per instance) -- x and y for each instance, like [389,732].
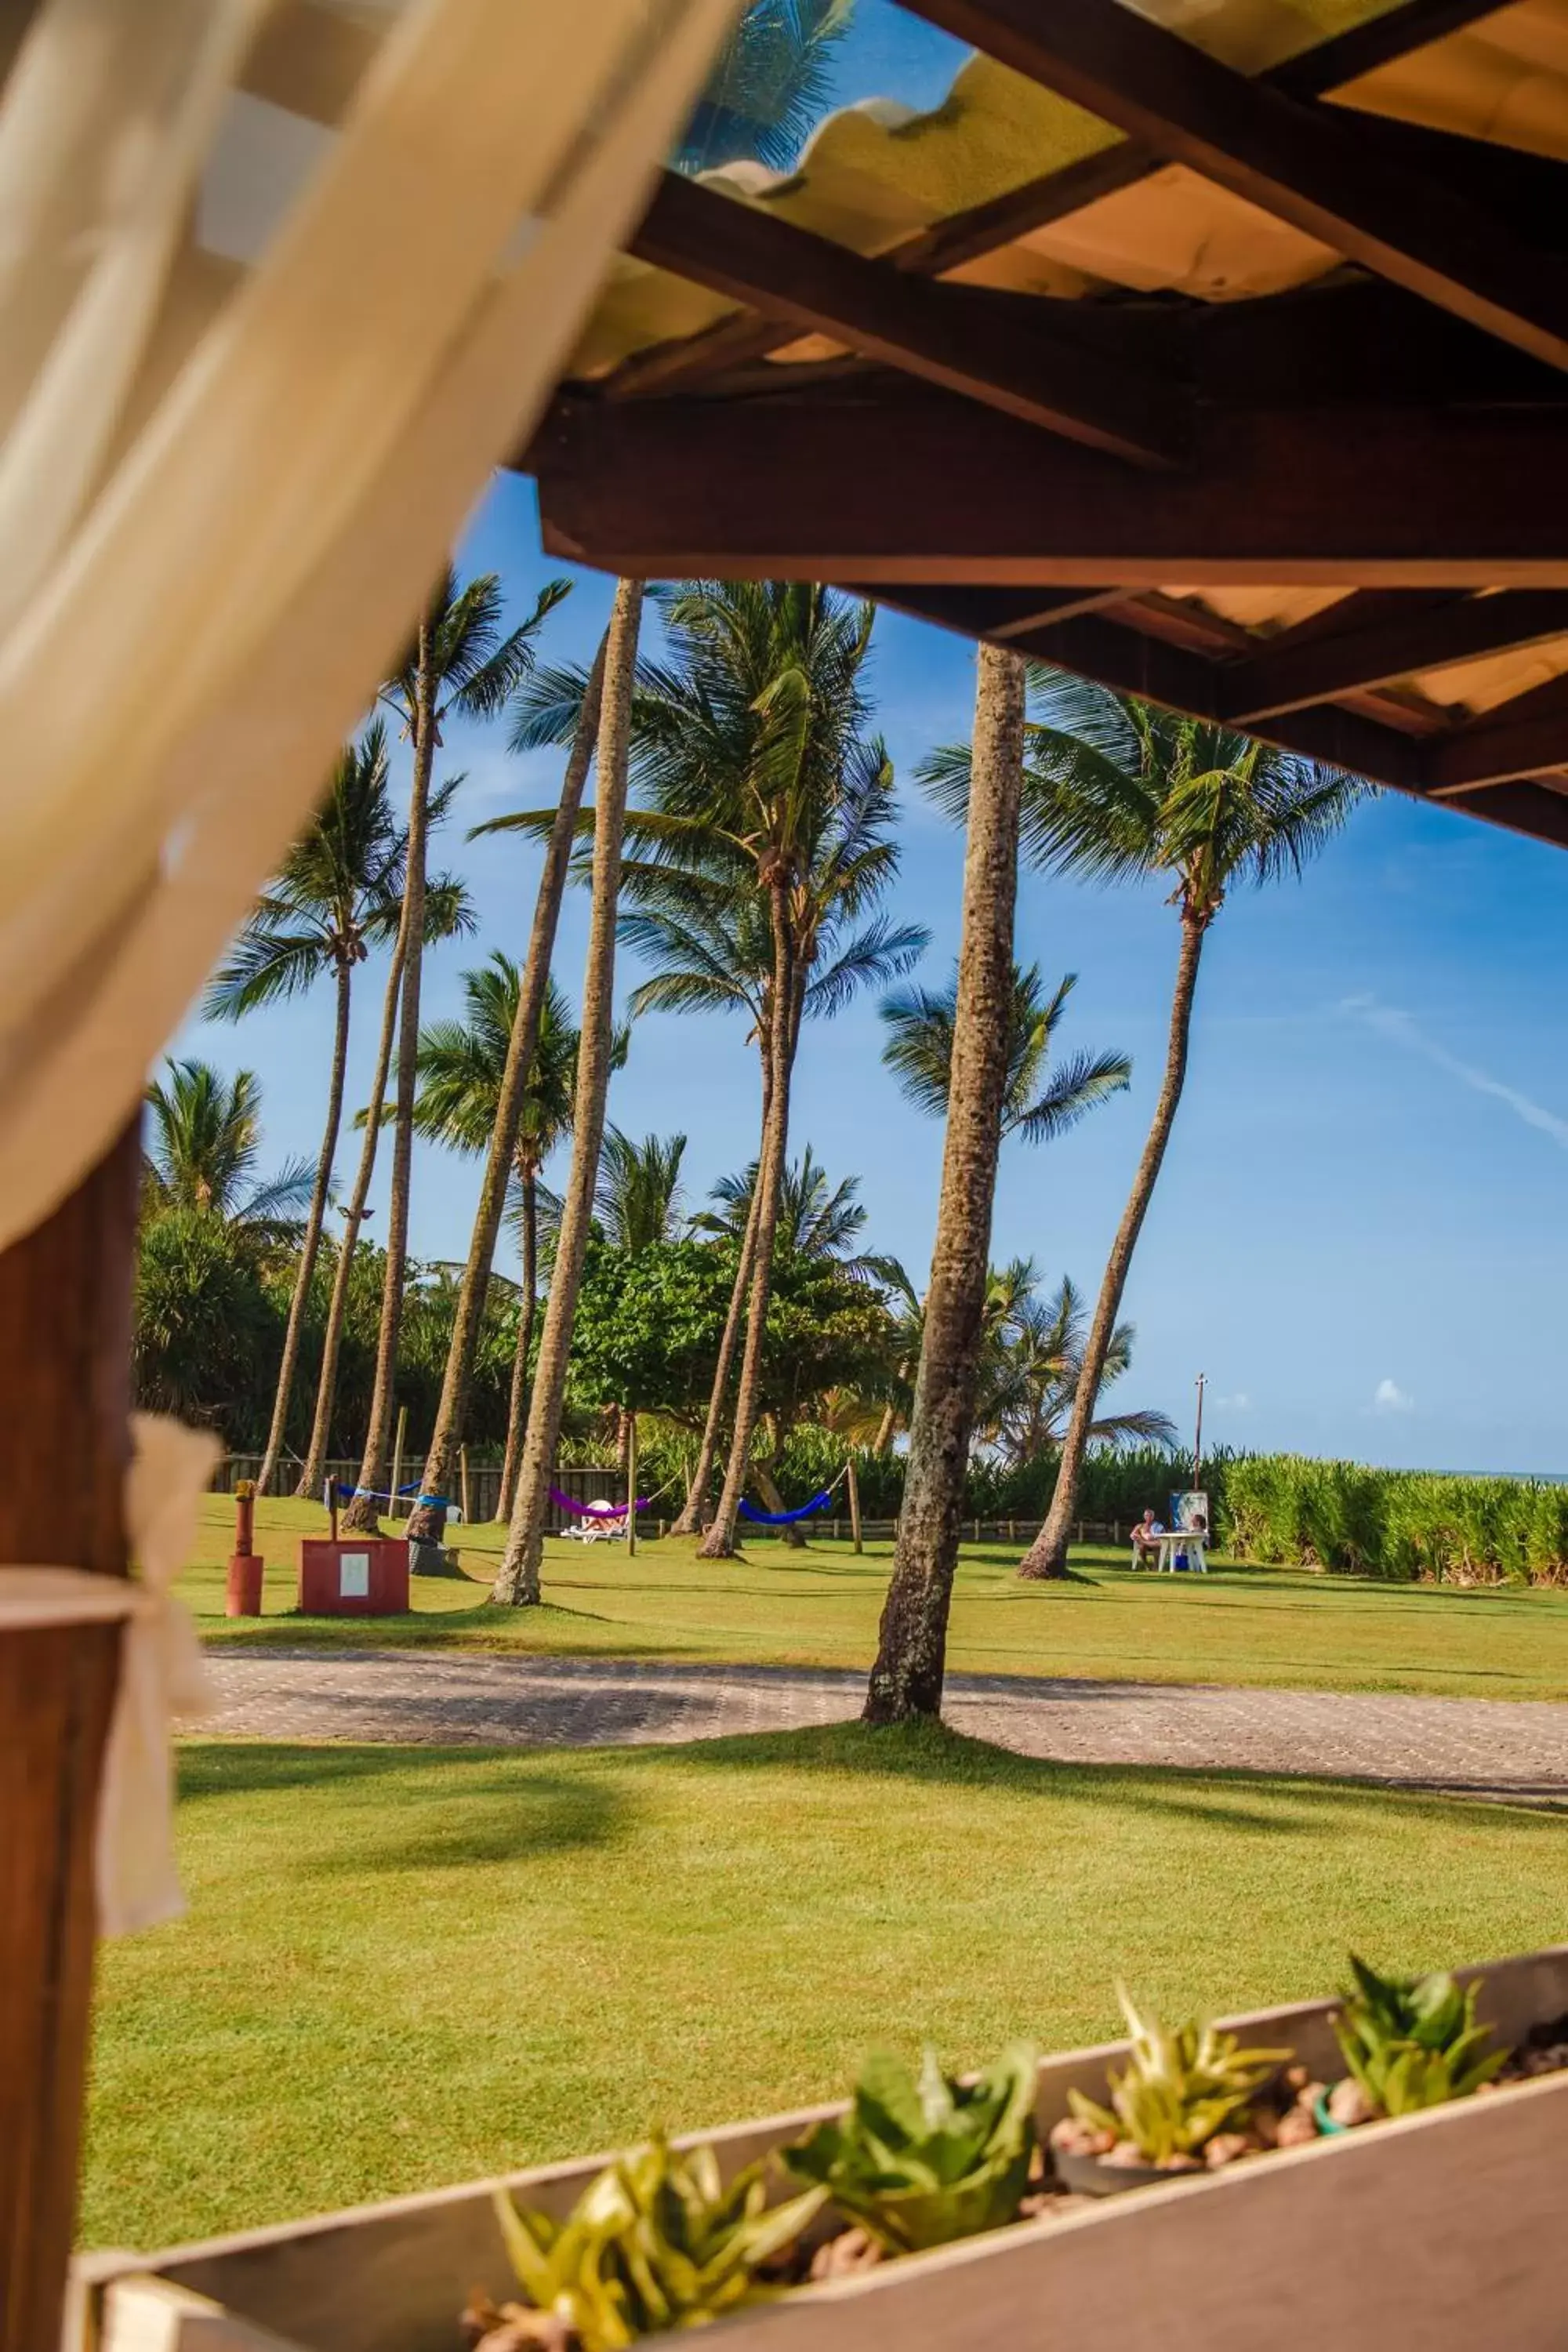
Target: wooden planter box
[1440,2232]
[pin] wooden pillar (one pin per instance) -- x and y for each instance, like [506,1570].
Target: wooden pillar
[65,1374]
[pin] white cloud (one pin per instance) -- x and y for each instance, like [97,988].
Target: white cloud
[1402,1029]
[1239,1402]
[1389,1397]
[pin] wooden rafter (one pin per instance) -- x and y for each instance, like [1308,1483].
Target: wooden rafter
[999,613]
[1009,353]
[1286,678]
[1528,736]
[906,490]
[1054,195]
[1308,164]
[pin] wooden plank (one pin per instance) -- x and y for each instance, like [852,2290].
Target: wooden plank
[1527,736]
[1413,25]
[999,349]
[1288,678]
[65,1366]
[1307,164]
[999,613]
[907,490]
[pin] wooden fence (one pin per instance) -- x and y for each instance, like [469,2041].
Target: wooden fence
[596,1483]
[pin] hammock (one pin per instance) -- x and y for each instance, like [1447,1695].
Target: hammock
[784,1518]
[382,1495]
[595,1510]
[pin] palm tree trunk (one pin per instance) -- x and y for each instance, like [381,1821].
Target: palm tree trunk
[691,1519]
[314,1469]
[907,1679]
[310,1246]
[518,1582]
[362,1514]
[1048,1555]
[428,1522]
[517,1403]
[719,1542]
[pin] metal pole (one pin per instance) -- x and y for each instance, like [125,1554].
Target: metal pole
[1198,1438]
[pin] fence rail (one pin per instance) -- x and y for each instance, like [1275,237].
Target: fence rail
[594,1482]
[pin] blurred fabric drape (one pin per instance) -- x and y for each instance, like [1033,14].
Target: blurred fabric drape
[281,282]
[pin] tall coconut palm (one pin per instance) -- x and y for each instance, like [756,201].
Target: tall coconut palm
[509,1126]
[203,1145]
[461,663]
[816,1217]
[517,1583]
[1119,791]
[464,1067]
[906,1678]
[639,1199]
[1042,1101]
[339,894]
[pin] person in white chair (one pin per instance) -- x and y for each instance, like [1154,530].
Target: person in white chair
[1145,1538]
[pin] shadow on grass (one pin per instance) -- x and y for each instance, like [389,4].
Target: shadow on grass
[933,1754]
[456,1808]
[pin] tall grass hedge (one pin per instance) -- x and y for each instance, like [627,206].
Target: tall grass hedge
[1400,1524]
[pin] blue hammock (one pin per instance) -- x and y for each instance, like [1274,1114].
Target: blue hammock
[784,1518]
[380,1495]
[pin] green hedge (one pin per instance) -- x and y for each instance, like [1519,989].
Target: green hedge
[1402,1524]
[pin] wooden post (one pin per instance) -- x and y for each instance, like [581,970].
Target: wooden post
[463,1487]
[853,1482]
[631,1485]
[397,1457]
[64,1392]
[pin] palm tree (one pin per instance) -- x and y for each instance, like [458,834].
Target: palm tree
[906,1678]
[338,893]
[772,80]
[206,1143]
[1034,1371]
[459,664]
[517,1583]
[1040,1102]
[816,1217]
[639,1199]
[464,1067]
[1117,791]
[508,1126]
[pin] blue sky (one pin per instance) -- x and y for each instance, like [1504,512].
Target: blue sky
[1358,1234]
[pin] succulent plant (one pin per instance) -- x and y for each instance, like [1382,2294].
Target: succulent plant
[1181,2086]
[920,2159]
[1413,2041]
[655,2241]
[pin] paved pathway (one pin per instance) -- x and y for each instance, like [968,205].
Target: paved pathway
[1486,1746]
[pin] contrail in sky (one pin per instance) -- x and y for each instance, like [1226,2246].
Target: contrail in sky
[1402,1029]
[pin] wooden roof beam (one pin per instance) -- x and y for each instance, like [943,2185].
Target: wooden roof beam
[913,489]
[1001,352]
[1528,736]
[1288,677]
[999,615]
[1308,164]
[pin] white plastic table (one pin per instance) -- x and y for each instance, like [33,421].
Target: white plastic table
[1179,1540]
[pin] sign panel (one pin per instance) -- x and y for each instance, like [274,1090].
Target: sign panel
[354,1576]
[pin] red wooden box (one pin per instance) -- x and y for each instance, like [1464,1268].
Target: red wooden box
[354,1576]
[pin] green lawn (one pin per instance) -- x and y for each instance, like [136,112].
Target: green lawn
[820,1608]
[405,1967]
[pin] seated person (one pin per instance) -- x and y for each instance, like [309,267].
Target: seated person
[1145,1538]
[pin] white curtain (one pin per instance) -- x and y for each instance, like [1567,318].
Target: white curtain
[281,282]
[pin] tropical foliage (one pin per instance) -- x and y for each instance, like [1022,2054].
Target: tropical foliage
[1413,2042]
[1288,1509]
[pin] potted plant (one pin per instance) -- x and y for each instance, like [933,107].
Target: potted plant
[1409,2043]
[1189,2097]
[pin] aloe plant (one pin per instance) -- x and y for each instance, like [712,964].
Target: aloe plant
[1413,2041]
[1181,2085]
[655,2241]
[920,2159]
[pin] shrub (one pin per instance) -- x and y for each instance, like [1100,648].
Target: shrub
[1285,1508]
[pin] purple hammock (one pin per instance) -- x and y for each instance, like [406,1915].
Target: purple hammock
[593,1511]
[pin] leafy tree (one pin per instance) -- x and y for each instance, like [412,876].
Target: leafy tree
[1117,791]
[203,1325]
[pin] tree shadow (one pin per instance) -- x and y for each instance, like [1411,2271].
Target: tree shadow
[935,1754]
